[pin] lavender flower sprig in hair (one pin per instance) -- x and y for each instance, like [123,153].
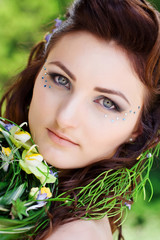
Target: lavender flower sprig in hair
[48,36]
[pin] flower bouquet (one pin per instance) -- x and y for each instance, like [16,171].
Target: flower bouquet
[28,186]
[26,183]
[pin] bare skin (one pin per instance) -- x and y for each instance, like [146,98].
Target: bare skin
[75,122]
[94,121]
[83,230]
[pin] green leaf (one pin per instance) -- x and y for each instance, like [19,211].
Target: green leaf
[18,209]
[13,195]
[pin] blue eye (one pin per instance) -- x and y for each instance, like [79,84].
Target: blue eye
[60,80]
[107,103]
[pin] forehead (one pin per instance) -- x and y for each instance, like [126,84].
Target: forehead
[96,62]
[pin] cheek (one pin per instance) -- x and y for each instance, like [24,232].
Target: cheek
[119,134]
[112,134]
[37,106]
[41,100]
[43,105]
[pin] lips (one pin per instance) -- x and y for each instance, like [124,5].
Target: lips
[60,138]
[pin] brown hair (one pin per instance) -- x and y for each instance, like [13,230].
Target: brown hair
[135,26]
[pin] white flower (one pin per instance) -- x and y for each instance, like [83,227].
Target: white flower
[33,159]
[34,192]
[32,163]
[44,193]
[22,136]
[128,205]
[149,155]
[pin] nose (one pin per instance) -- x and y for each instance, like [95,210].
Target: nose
[69,112]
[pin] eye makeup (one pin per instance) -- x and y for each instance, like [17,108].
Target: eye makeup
[60,80]
[124,116]
[105,102]
[108,104]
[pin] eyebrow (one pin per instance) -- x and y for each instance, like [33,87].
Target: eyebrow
[66,70]
[114,92]
[99,89]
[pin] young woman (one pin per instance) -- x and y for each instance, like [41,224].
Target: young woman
[91,95]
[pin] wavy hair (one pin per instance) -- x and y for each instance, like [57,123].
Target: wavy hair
[135,26]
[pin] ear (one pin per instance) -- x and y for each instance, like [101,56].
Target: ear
[137,131]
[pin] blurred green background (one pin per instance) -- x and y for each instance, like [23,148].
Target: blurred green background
[22,24]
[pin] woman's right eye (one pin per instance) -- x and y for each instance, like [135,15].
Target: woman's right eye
[107,103]
[60,80]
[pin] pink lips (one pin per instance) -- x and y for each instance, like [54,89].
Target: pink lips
[60,139]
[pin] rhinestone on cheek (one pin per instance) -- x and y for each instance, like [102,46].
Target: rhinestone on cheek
[125,115]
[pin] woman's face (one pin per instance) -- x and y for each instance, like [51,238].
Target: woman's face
[86,102]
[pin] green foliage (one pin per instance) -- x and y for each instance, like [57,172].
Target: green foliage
[155,3]
[18,209]
[21,207]
[23,23]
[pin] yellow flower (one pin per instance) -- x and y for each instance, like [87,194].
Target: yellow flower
[47,191]
[33,159]
[139,157]
[6,156]
[6,151]
[32,163]
[22,136]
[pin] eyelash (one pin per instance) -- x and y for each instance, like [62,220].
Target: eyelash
[114,108]
[53,77]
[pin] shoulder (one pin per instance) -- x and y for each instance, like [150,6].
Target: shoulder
[83,229]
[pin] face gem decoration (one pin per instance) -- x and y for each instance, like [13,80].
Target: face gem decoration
[44,76]
[124,118]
